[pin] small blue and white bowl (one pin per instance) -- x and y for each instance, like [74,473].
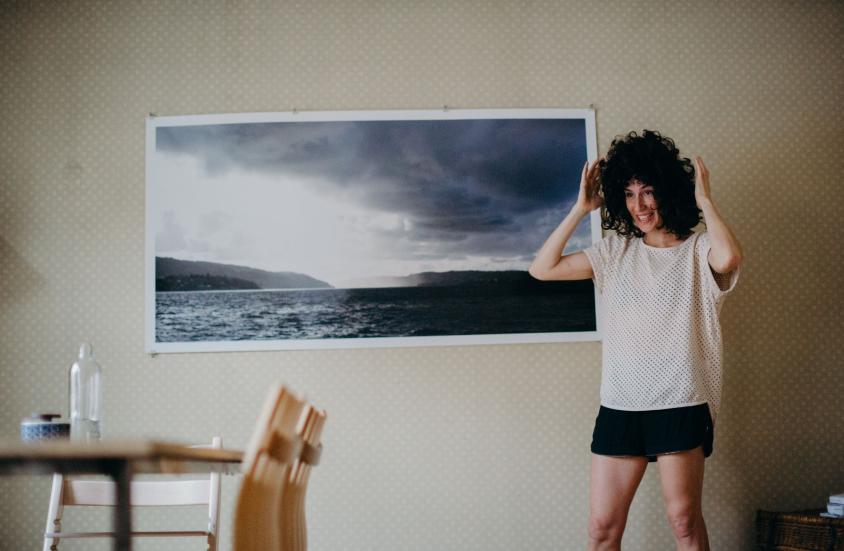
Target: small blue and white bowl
[42,427]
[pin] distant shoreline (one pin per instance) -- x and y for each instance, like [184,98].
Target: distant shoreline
[287,290]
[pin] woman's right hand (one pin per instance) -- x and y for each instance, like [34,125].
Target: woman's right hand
[589,198]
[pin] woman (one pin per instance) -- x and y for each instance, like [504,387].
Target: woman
[662,286]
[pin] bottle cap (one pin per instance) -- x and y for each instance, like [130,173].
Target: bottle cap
[86,351]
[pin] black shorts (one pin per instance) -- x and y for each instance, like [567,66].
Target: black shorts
[654,432]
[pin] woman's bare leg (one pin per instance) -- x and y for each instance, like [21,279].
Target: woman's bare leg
[681,475]
[612,485]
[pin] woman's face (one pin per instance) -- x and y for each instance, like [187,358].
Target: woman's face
[641,204]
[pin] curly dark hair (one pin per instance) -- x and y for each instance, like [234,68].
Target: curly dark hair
[652,159]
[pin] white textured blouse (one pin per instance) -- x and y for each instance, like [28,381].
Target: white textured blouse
[662,336]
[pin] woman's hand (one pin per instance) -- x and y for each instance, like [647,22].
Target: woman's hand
[589,198]
[702,192]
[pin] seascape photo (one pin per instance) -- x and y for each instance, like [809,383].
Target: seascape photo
[273,234]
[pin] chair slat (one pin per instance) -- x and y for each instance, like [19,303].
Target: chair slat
[160,534]
[143,494]
[309,428]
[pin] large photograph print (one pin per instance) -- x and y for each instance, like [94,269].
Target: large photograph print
[358,229]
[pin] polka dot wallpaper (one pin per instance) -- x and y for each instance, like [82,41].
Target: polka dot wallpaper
[453,448]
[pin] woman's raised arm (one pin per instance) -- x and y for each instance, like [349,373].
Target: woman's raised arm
[549,264]
[725,254]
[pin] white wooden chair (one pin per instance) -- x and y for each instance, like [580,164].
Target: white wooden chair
[266,466]
[72,492]
[294,535]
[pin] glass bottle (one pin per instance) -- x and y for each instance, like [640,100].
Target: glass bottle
[85,396]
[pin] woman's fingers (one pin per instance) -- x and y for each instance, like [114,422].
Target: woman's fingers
[701,171]
[591,172]
[588,178]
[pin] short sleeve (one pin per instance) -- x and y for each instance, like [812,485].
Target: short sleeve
[599,255]
[719,284]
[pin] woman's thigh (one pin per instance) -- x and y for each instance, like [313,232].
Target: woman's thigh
[681,477]
[613,483]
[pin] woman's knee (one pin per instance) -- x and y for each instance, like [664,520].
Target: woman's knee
[604,528]
[684,520]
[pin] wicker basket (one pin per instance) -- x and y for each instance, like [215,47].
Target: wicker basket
[798,531]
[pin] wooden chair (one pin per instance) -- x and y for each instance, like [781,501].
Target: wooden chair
[73,492]
[294,528]
[267,466]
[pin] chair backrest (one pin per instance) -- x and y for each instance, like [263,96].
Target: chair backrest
[93,493]
[294,535]
[266,466]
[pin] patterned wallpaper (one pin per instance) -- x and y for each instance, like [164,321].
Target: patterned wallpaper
[457,448]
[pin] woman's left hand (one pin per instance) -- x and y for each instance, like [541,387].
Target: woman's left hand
[701,181]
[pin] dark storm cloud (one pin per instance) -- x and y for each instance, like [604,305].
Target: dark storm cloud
[477,186]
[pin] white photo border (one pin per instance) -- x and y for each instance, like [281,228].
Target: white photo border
[154,121]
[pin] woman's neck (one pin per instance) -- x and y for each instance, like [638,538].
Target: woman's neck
[661,239]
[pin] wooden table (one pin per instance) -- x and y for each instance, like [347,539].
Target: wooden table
[118,459]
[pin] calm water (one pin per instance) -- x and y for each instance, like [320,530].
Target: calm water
[388,312]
